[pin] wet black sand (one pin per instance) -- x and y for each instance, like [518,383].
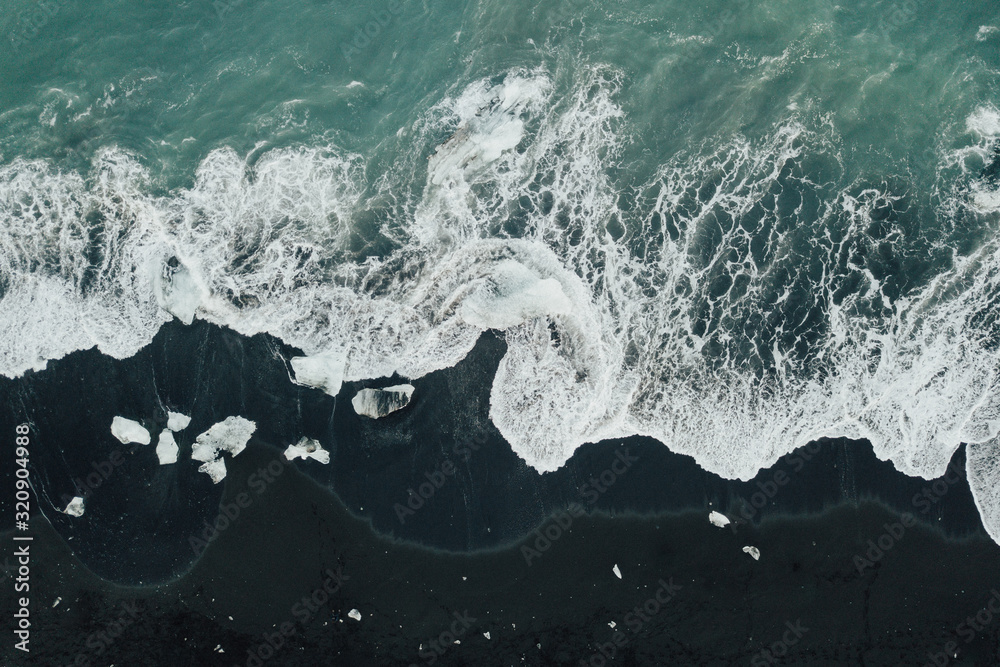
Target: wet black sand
[811,515]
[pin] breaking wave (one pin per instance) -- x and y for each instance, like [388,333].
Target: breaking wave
[751,297]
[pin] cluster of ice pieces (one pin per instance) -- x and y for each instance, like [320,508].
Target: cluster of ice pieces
[231,435]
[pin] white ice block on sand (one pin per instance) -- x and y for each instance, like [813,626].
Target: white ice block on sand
[377,403]
[166,448]
[129,431]
[307,448]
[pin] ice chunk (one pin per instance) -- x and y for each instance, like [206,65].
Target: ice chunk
[718,519]
[178,291]
[215,469]
[612,624]
[377,403]
[231,435]
[512,295]
[486,634]
[307,448]
[128,431]
[177,421]
[166,448]
[355,614]
[324,371]
[618,573]
[753,551]
[75,507]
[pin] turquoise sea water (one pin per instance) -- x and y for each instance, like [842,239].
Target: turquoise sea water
[710,223]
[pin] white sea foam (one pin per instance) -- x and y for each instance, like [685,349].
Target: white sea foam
[985,32]
[734,311]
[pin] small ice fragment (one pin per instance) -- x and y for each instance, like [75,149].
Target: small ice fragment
[215,469]
[457,642]
[231,434]
[75,507]
[177,421]
[324,371]
[166,448]
[128,431]
[718,519]
[355,614]
[178,291]
[753,551]
[307,448]
[355,84]
[377,403]
[56,603]
[618,573]
[612,624]
[219,648]
[486,634]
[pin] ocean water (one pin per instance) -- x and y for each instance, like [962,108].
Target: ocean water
[723,222]
[732,228]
